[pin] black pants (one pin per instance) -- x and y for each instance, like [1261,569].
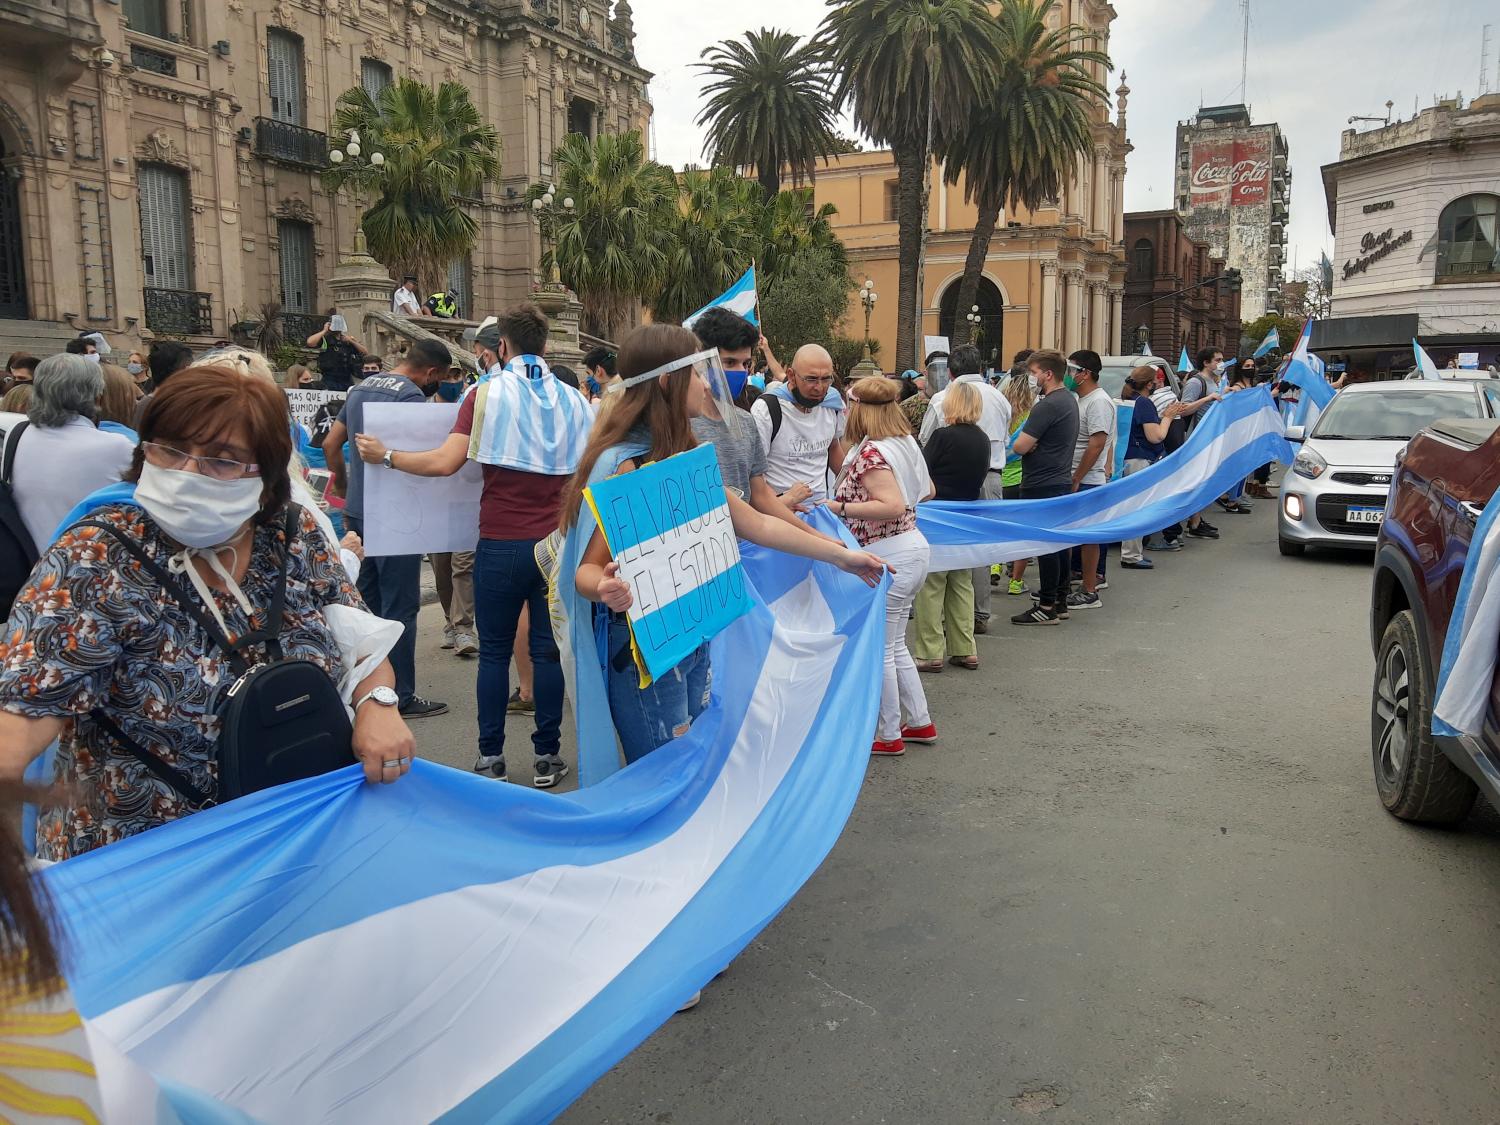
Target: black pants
[1053,586]
[1263,474]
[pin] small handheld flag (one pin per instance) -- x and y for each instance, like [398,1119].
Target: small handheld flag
[1270,343]
[739,297]
[1424,361]
[1184,365]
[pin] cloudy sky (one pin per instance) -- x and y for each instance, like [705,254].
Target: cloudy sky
[1313,64]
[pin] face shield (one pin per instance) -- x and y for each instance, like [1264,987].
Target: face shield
[937,374]
[711,397]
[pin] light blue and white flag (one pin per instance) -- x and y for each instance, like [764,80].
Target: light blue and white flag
[1424,361]
[527,419]
[1224,374]
[739,298]
[1307,372]
[1184,364]
[1270,343]
[1238,436]
[340,952]
[1466,674]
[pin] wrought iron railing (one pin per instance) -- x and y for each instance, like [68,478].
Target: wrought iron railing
[179,312]
[297,327]
[157,62]
[290,144]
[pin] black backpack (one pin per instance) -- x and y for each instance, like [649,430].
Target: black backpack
[281,720]
[18,553]
[773,410]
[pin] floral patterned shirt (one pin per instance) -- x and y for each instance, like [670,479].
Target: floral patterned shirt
[92,629]
[851,487]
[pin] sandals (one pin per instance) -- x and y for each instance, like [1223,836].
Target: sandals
[969,663]
[929,665]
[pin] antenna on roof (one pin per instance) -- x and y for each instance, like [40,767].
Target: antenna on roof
[1484,61]
[1245,56]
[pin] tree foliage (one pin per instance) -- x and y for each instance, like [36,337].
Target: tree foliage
[769,106]
[438,152]
[805,301]
[1287,330]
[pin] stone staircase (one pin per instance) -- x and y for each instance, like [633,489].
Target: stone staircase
[40,338]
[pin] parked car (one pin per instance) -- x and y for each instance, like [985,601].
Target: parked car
[1447,475]
[1116,367]
[1335,493]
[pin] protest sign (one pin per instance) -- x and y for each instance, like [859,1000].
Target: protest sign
[668,526]
[305,405]
[411,515]
[932,344]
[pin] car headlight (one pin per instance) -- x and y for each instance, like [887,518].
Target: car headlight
[1308,464]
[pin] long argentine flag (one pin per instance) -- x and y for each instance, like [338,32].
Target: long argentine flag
[1234,439]
[452,949]
[1467,670]
[739,297]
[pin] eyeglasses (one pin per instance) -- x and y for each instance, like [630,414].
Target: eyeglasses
[219,468]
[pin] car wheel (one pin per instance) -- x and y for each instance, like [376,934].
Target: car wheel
[1290,547]
[1413,776]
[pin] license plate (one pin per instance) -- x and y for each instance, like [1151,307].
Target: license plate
[1364,515]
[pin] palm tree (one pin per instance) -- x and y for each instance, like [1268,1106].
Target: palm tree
[769,106]
[1023,143]
[790,225]
[611,249]
[438,152]
[912,71]
[716,236]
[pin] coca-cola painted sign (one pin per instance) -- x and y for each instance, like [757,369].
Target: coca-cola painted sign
[1233,172]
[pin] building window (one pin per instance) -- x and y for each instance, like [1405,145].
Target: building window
[461,285]
[165,242]
[299,283]
[95,253]
[149,17]
[581,117]
[892,201]
[284,77]
[1467,237]
[374,76]
[1143,259]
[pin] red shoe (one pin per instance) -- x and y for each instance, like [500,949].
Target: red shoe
[925,735]
[892,749]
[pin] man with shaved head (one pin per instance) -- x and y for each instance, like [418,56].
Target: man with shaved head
[801,424]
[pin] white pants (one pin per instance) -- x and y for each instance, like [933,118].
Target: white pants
[901,690]
[1133,550]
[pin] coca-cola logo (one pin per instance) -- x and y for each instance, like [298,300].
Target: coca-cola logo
[1250,172]
[1211,176]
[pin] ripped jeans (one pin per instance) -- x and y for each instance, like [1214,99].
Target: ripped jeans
[653,716]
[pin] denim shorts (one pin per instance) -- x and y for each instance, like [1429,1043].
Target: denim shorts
[646,718]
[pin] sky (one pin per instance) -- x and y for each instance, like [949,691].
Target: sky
[1313,64]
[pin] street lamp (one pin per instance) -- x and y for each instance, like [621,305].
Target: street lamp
[548,209]
[867,297]
[363,168]
[974,319]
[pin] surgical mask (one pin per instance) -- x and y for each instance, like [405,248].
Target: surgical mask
[92,357]
[195,510]
[736,377]
[450,392]
[135,368]
[1070,382]
[1033,384]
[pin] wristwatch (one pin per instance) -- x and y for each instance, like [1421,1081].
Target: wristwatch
[382,695]
[386,460]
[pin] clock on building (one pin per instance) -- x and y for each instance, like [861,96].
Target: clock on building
[583,18]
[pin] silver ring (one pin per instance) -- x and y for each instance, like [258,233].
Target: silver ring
[392,763]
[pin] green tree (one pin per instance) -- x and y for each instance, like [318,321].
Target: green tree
[912,71]
[769,106]
[1023,142]
[613,248]
[438,152]
[806,301]
[790,224]
[716,235]
[1288,328]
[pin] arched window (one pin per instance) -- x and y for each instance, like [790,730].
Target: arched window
[1143,259]
[1467,237]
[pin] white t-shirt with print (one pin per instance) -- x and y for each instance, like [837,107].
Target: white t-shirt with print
[800,452]
[1096,415]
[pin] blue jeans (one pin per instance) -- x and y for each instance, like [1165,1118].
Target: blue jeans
[392,588]
[505,579]
[646,718]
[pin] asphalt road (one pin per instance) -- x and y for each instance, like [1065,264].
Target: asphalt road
[1143,877]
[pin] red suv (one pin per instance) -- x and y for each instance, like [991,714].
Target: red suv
[1443,481]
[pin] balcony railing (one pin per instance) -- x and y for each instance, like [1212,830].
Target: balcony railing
[290,144]
[179,312]
[297,327]
[157,62]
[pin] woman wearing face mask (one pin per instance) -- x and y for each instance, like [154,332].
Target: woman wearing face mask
[93,640]
[135,367]
[661,390]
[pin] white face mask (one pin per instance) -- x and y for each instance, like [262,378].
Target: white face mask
[195,510]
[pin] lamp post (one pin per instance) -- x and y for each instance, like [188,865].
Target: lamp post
[975,320]
[548,209]
[867,365]
[365,168]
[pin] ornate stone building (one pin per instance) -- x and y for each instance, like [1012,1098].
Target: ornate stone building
[162,157]
[1053,278]
[1173,298]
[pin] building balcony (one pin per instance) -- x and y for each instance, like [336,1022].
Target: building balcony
[152,60]
[179,312]
[49,24]
[286,143]
[296,327]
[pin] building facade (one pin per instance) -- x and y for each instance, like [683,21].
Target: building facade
[163,157]
[1174,297]
[1053,278]
[1234,188]
[1415,208]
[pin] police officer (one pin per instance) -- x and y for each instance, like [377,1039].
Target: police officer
[443,304]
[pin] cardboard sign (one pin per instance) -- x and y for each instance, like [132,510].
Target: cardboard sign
[932,344]
[668,526]
[412,515]
[305,405]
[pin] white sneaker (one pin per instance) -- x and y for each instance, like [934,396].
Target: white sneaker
[692,1001]
[466,644]
[449,636]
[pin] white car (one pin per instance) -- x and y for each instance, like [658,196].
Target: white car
[1335,493]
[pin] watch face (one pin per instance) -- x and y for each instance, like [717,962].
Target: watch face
[385,696]
[583,17]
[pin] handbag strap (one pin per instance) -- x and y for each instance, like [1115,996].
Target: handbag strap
[12,442]
[270,636]
[170,774]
